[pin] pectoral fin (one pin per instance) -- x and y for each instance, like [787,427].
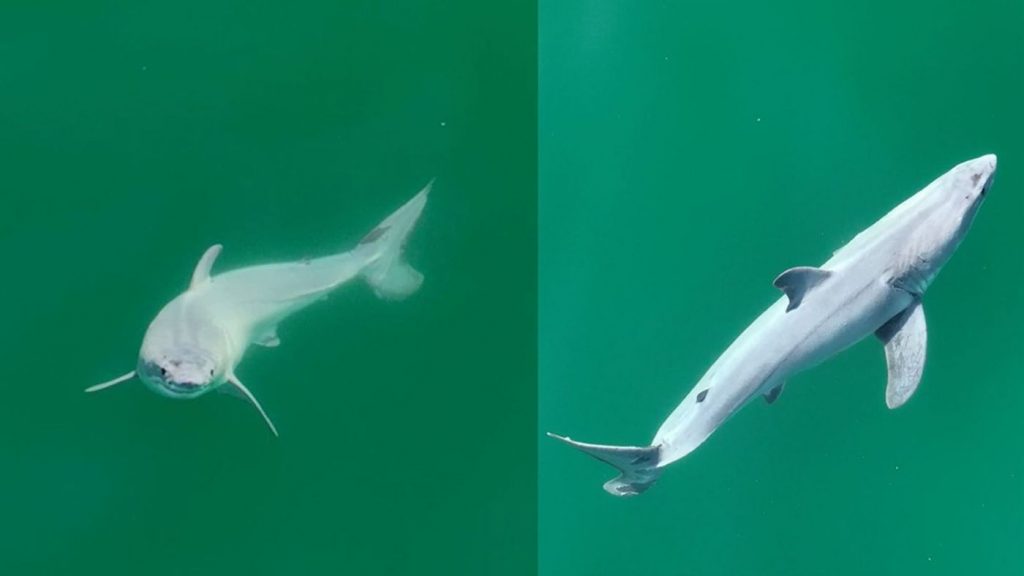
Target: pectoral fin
[202,272]
[905,337]
[238,388]
[109,383]
[797,282]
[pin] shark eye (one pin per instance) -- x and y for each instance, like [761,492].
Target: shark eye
[211,371]
[163,371]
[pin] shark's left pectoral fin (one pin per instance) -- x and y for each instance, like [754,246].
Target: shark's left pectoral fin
[797,282]
[239,389]
[905,337]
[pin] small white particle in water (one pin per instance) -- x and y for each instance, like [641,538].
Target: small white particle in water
[897,467]
[666,58]
[144,68]
[444,124]
[758,119]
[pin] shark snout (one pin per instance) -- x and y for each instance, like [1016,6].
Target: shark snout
[183,374]
[990,164]
[982,171]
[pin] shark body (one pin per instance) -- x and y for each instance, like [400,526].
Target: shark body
[873,285]
[197,340]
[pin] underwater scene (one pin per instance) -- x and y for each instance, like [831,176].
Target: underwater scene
[135,137]
[690,153]
[562,288]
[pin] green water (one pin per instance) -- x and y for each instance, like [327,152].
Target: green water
[133,136]
[686,152]
[689,153]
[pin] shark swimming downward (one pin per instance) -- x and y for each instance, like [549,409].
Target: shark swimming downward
[199,338]
[873,285]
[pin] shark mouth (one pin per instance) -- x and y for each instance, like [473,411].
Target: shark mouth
[183,387]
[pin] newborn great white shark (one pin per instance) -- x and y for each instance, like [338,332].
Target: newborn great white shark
[873,285]
[198,339]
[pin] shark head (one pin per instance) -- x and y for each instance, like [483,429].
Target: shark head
[962,190]
[180,372]
[937,218]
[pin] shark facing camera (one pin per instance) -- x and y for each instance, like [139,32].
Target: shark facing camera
[197,340]
[184,373]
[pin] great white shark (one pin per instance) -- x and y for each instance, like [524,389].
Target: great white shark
[872,285]
[196,342]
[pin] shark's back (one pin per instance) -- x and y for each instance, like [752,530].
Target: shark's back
[266,294]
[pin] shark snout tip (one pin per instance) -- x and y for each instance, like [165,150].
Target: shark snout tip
[982,164]
[981,171]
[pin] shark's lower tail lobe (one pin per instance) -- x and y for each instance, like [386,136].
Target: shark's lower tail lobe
[638,464]
[389,274]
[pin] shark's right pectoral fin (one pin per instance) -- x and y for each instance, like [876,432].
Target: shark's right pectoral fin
[797,282]
[236,388]
[638,464]
[905,337]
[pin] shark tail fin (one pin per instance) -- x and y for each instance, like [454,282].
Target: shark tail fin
[638,464]
[390,276]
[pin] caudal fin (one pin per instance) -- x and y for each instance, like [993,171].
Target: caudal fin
[389,274]
[638,464]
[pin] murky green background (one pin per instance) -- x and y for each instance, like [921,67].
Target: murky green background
[691,151]
[132,136]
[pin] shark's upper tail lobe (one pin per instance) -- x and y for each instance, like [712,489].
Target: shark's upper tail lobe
[388,273]
[638,464]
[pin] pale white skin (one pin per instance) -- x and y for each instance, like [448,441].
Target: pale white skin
[879,276]
[198,339]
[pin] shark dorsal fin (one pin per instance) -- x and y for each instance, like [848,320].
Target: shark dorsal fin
[906,338]
[202,272]
[796,282]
